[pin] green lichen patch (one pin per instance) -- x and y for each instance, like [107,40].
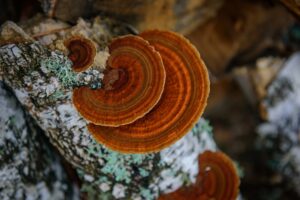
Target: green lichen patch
[56,95]
[120,165]
[143,172]
[146,193]
[204,125]
[61,66]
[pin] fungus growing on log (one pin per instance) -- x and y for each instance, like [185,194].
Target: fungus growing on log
[217,179]
[182,102]
[133,84]
[82,52]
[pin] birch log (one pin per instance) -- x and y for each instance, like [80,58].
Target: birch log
[28,167]
[42,79]
[280,133]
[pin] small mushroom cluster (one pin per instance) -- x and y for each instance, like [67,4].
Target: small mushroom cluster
[217,179]
[155,88]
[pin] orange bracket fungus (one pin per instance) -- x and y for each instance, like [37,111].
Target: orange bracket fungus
[217,180]
[133,84]
[182,102]
[82,52]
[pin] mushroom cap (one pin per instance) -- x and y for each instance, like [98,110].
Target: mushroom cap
[82,52]
[218,178]
[182,102]
[133,84]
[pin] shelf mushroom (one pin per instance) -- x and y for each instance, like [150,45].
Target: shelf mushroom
[82,52]
[182,102]
[133,84]
[217,179]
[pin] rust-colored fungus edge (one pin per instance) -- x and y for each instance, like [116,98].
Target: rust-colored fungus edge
[182,102]
[217,179]
[133,84]
[82,52]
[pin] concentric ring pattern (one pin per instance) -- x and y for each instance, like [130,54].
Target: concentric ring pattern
[82,52]
[133,84]
[218,178]
[182,102]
